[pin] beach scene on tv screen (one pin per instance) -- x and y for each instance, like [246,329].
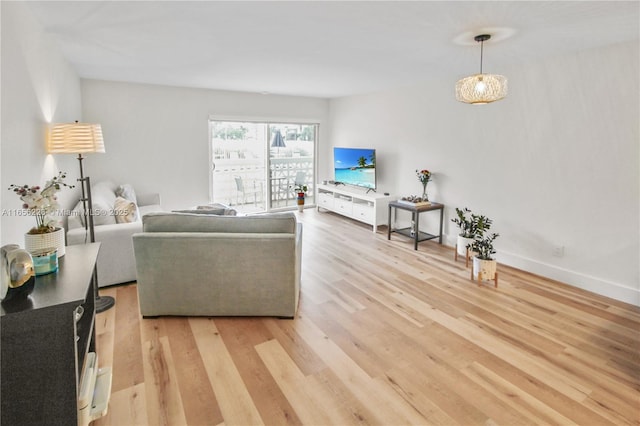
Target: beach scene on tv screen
[355,166]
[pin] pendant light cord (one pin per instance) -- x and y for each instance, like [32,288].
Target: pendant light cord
[482,38]
[481,52]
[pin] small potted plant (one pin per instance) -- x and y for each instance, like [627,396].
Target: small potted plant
[301,190]
[42,203]
[466,227]
[470,225]
[484,265]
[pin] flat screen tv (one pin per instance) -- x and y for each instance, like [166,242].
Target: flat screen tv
[355,166]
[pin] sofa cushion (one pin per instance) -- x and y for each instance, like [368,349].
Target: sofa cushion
[102,213]
[125,211]
[127,192]
[103,198]
[103,192]
[193,222]
[76,219]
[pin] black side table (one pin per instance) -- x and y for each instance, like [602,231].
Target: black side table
[417,235]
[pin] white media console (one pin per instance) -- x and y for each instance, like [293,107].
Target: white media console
[371,208]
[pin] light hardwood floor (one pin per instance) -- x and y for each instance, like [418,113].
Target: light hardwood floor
[384,335]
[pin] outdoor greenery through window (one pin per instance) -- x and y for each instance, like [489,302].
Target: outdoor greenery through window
[255,166]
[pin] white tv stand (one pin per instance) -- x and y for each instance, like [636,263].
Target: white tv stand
[370,208]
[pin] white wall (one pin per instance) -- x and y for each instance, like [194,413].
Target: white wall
[554,164]
[156,137]
[38,87]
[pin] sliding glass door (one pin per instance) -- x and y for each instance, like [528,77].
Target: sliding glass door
[255,166]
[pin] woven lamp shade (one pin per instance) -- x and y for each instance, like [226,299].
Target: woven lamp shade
[75,138]
[481,89]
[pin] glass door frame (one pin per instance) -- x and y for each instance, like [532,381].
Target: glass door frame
[267,193]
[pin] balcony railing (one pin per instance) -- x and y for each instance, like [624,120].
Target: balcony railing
[279,191]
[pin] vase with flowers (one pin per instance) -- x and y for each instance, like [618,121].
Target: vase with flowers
[41,203]
[301,190]
[424,176]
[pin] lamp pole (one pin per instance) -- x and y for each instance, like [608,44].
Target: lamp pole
[102,303]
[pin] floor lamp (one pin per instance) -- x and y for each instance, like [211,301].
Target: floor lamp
[81,138]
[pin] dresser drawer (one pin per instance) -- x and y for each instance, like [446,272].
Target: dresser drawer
[325,200]
[343,206]
[363,213]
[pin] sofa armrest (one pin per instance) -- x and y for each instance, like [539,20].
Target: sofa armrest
[148,199]
[298,261]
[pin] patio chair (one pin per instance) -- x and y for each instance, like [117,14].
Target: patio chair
[246,192]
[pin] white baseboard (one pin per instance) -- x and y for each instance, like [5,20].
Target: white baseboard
[586,282]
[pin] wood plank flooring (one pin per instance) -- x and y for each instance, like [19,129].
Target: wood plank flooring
[384,335]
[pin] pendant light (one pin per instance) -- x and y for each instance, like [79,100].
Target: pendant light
[479,89]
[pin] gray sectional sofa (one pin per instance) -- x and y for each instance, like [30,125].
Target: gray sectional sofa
[210,265]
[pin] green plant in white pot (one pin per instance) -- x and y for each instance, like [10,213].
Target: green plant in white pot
[465,227]
[484,264]
[470,225]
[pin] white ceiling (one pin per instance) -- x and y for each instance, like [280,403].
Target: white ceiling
[321,48]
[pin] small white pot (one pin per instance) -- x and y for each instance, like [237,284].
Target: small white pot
[484,269]
[55,239]
[462,244]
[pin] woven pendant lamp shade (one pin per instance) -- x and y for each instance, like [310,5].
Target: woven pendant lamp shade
[75,138]
[481,89]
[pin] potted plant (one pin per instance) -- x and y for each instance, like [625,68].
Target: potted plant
[470,225]
[484,265]
[42,203]
[301,190]
[466,228]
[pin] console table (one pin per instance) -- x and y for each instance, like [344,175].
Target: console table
[45,340]
[417,235]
